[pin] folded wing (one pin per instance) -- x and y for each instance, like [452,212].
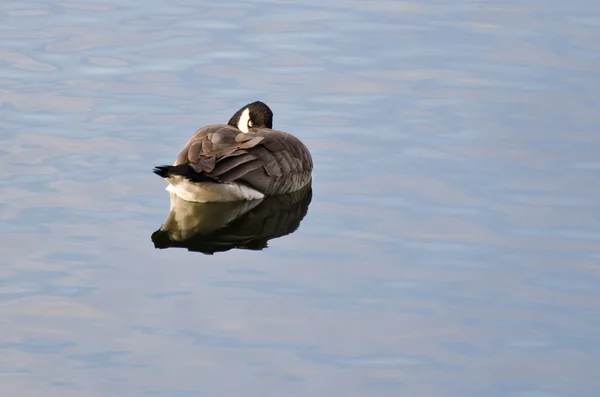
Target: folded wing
[270,161]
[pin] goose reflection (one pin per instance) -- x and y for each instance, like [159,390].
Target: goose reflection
[219,227]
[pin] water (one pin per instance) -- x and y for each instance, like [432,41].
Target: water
[450,247]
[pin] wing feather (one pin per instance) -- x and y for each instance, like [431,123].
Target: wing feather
[270,161]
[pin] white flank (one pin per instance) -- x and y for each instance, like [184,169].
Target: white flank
[206,192]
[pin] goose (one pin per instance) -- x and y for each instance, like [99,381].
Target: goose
[246,159]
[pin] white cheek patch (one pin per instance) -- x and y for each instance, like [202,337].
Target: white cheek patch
[243,122]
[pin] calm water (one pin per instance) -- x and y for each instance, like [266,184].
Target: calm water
[451,247]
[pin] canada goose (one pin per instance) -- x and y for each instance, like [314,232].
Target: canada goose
[243,160]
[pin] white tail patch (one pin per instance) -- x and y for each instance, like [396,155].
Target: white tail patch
[206,192]
[244,120]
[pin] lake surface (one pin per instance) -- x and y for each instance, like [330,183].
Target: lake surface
[451,246]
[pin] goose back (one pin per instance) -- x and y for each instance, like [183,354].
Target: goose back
[269,161]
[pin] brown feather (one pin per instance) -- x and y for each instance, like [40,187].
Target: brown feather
[232,162]
[270,161]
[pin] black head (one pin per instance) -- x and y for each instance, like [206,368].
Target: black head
[253,115]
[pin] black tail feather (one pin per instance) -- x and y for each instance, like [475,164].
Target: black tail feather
[184,170]
[162,170]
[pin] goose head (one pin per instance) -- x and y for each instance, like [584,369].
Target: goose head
[253,115]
